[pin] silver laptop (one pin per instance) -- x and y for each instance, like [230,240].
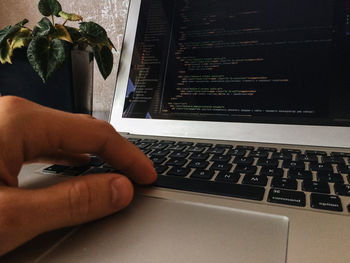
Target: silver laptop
[243,106]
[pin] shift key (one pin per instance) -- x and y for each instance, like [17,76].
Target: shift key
[286,197]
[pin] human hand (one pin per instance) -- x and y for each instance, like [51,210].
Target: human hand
[32,133]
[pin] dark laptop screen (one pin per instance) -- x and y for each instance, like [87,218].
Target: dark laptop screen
[275,61]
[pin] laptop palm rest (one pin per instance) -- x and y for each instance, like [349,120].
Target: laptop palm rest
[158,230]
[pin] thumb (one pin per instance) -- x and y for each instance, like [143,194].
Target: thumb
[27,213]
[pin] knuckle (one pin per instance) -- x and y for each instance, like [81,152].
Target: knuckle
[79,201]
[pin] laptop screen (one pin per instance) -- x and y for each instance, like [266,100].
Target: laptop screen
[276,61]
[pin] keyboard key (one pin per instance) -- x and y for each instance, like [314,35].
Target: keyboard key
[286,197]
[202,174]
[326,202]
[228,177]
[342,154]
[212,187]
[196,149]
[199,156]
[185,143]
[333,159]
[342,189]
[306,158]
[77,170]
[255,180]
[267,149]
[237,152]
[294,165]
[167,142]
[270,171]
[243,160]
[284,183]
[158,159]
[323,167]
[221,158]
[55,169]
[271,163]
[310,152]
[318,187]
[245,169]
[179,171]
[227,146]
[160,153]
[295,174]
[281,156]
[258,154]
[221,167]
[204,144]
[150,141]
[160,169]
[329,177]
[245,147]
[177,147]
[159,146]
[176,162]
[143,145]
[343,169]
[198,164]
[179,155]
[133,140]
[284,150]
[216,150]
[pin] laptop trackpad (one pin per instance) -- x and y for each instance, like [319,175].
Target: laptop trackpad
[157,230]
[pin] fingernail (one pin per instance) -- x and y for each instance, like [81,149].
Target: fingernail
[121,192]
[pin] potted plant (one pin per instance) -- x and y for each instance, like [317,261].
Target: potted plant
[53,60]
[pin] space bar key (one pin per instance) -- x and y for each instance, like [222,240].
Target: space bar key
[211,187]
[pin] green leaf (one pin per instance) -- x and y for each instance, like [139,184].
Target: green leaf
[104,59]
[22,23]
[46,57]
[74,33]
[49,7]
[62,33]
[70,17]
[94,32]
[45,28]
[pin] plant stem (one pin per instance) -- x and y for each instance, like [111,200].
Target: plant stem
[53,20]
[65,22]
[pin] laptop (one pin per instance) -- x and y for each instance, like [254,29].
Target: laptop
[243,108]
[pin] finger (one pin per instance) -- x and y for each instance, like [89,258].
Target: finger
[73,202]
[64,158]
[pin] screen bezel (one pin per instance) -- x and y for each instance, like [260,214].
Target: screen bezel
[331,136]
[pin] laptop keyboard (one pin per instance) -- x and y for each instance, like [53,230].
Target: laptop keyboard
[293,177]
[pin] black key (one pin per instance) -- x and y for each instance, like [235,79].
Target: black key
[246,169]
[212,187]
[167,142]
[179,171]
[185,143]
[133,140]
[294,165]
[198,164]
[95,161]
[160,168]
[344,169]
[199,156]
[150,141]
[286,197]
[275,172]
[295,174]
[326,202]
[159,146]
[237,152]
[228,177]
[77,170]
[243,160]
[158,159]
[97,170]
[333,159]
[281,156]
[176,162]
[55,169]
[267,149]
[342,189]
[306,158]
[309,152]
[284,183]
[216,150]
[322,167]
[318,187]
[255,180]
[244,147]
[272,163]
[284,150]
[258,154]
[342,154]
[179,155]
[221,158]
[227,146]
[329,177]
[177,147]
[196,149]
[202,174]
[204,144]
[160,153]
[146,151]
[143,145]
[221,167]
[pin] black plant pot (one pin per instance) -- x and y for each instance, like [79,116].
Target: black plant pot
[69,89]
